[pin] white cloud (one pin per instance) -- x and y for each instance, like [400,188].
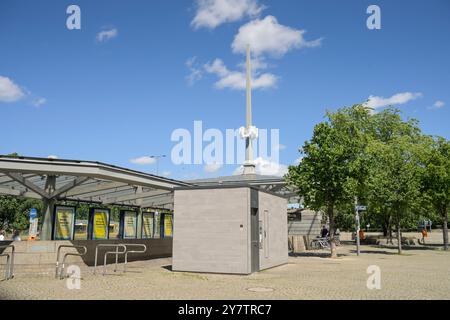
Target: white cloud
[266,167]
[9,91]
[105,35]
[217,67]
[399,98]
[213,167]
[195,71]
[267,36]
[39,102]
[166,173]
[52,156]
[190,176]
[437,105]
[237,79]
[212,13]
[143,160]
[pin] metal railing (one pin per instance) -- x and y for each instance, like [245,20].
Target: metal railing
[9,268]
[60,265]
[133,251]
[7,265]
[116,252]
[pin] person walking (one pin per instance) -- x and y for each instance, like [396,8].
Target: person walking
[337,237]
[16,235]
[2,235]
[424,235]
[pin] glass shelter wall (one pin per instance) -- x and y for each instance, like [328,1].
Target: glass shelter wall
[71,223]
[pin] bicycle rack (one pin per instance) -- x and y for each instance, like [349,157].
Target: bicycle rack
[133,251]
[116,252]
[9,269]
[60,266]
[320,243]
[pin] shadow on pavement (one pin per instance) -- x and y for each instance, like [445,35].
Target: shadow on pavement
[416,247]
[315,254]
[168,267]
[375,252]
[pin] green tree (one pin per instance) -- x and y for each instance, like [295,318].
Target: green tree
[436,180]
[14,212]
[373,157]
[8,211]
[329,175]
[385,127]
[13,155]
[395,178]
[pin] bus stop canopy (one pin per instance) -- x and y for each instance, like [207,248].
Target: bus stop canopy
[77,180]
[55,180]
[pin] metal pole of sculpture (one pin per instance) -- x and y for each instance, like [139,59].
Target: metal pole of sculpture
[250,132]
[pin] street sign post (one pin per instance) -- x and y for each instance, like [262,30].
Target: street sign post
[33,213]
[358,208]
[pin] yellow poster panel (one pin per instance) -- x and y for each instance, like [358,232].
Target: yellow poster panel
[168,225]
[64,219]
[129,224]
[100,224]
[147,225]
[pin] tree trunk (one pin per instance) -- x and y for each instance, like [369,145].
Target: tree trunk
[330,213]
[385,230]
[399,238]
[389,240]
[445,228]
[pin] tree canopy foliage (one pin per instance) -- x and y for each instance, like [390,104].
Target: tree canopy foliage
[376,159]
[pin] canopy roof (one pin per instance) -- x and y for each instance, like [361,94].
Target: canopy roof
[269,183]
[97,182]
[89,181]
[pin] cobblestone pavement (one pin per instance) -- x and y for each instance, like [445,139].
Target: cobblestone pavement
[417,274]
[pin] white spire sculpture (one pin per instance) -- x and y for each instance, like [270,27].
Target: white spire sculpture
[249,132]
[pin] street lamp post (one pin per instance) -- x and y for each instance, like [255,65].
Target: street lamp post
[358,208]
[357,230]
[157,161]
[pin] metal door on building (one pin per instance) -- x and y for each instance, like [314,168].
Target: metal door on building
[254,240]
[265,234]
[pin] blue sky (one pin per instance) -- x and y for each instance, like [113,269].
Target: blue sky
[71,94]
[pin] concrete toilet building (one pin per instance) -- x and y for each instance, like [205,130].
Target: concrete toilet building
[229,229]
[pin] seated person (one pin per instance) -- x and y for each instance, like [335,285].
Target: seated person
[324,232]
[362,236]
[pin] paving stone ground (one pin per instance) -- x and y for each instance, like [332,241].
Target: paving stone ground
[417,274]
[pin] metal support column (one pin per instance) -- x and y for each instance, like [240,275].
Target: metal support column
[358,227]
[49,205]
[139,215]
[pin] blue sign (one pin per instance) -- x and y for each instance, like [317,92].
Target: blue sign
[33,213]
